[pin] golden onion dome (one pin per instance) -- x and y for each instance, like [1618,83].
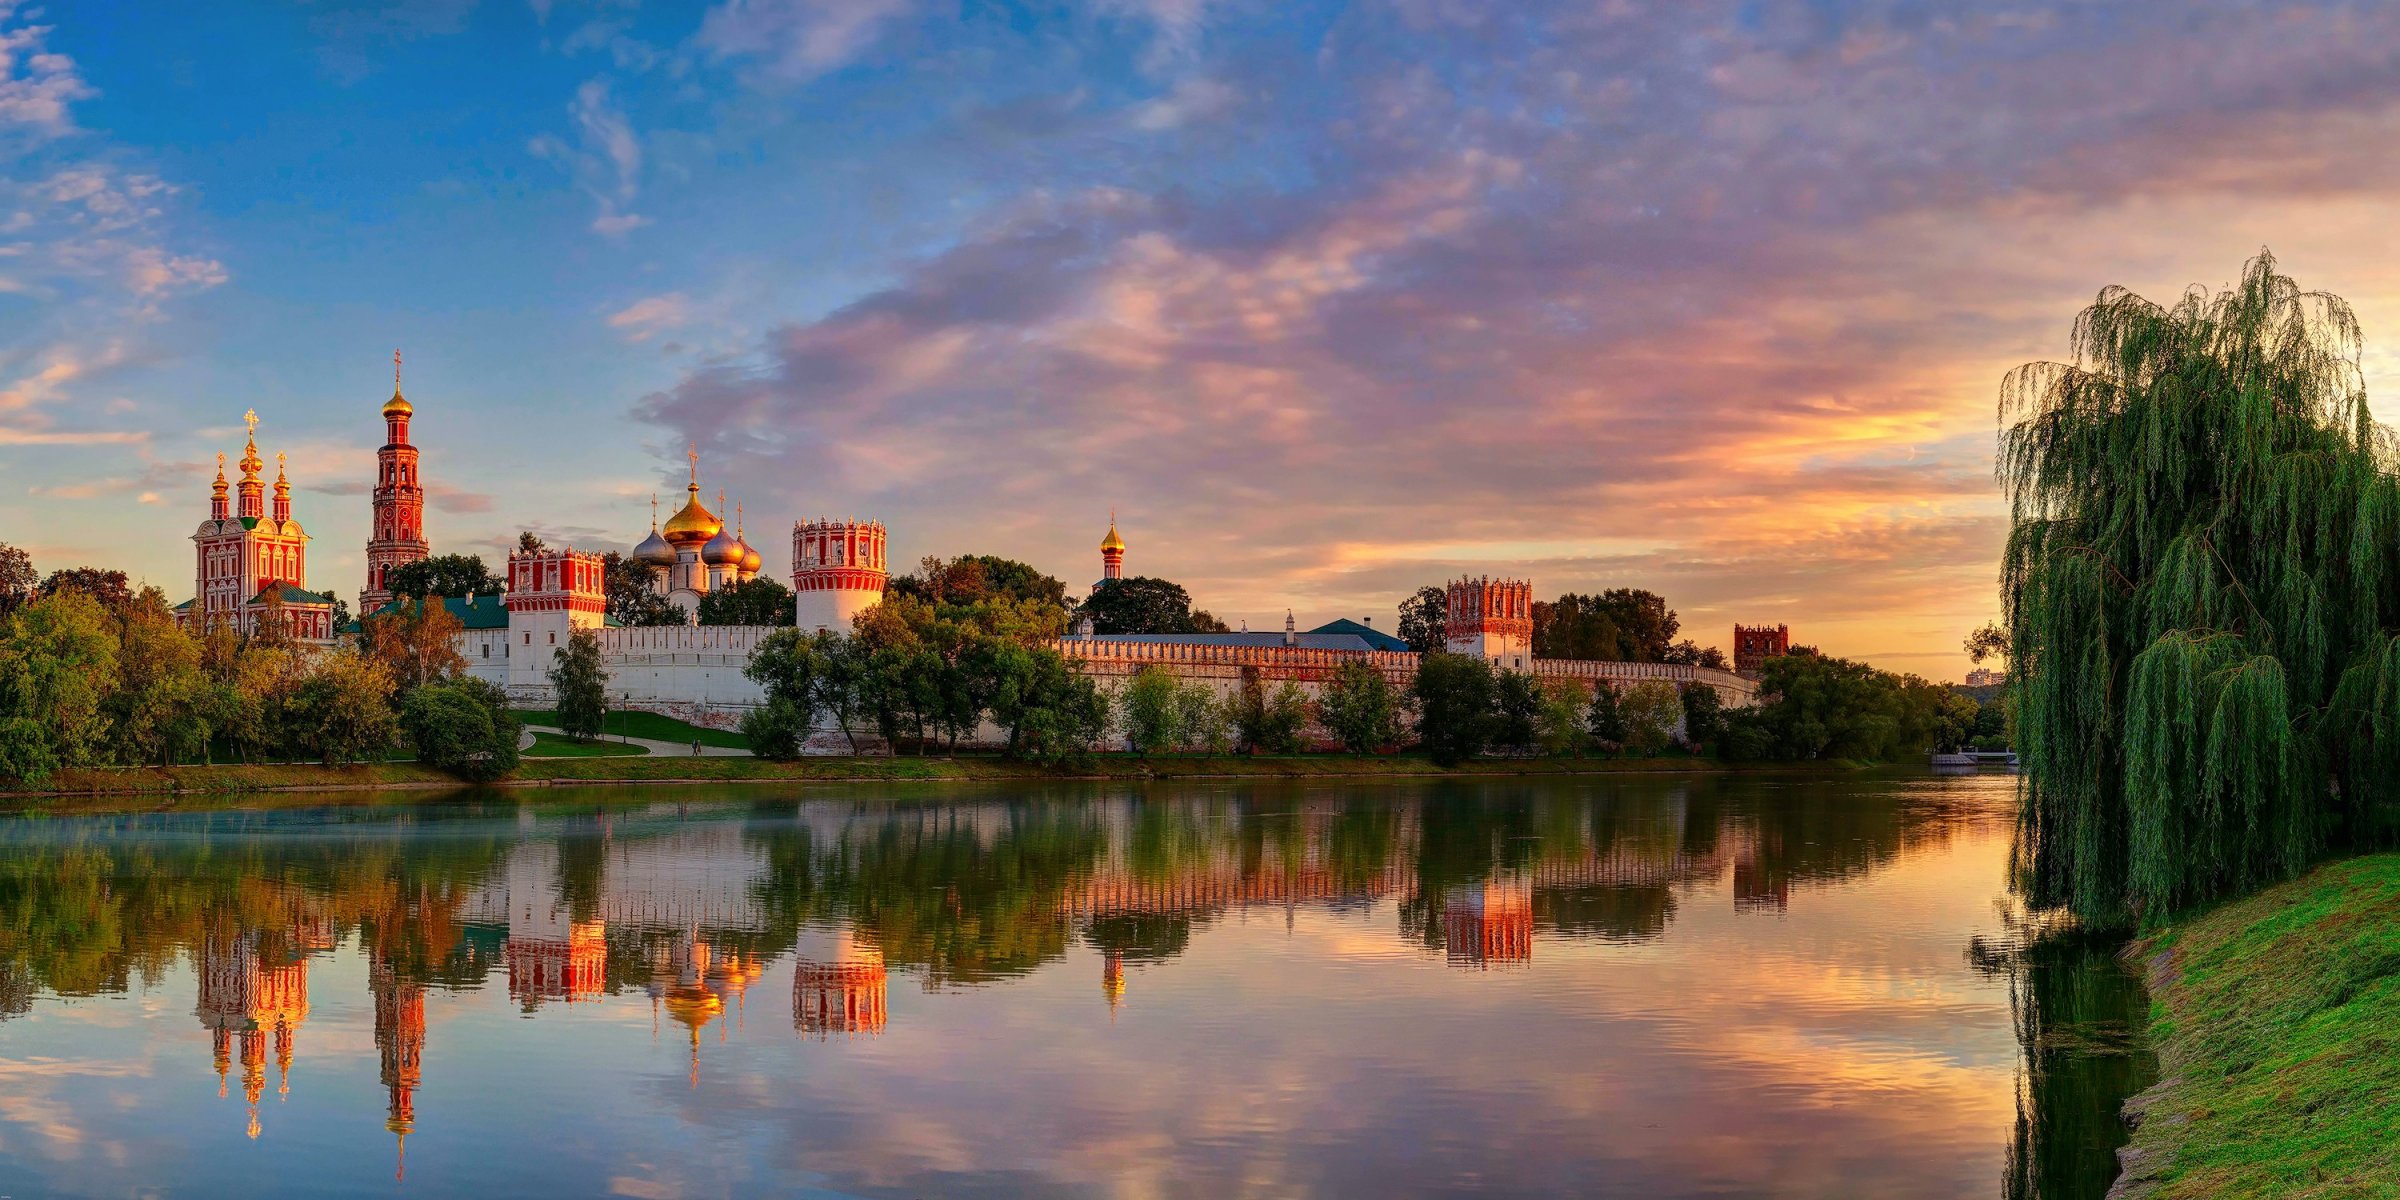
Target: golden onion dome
[1112,544]
[751,561]
[397,406]
[693,522]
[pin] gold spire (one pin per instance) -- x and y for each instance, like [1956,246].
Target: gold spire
[280,484]
[250,462]
[1112,543]
[398,405]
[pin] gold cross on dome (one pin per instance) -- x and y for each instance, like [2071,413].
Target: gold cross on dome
[692,452]
[395,370]
[250,418]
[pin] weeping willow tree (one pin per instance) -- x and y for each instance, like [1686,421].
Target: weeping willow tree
[2201,585]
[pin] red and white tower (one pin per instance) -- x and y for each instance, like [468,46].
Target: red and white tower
[1491,619]
[837,569]
[398,534]
[552,592]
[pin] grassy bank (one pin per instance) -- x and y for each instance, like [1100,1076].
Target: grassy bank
[551,745]
[165,781]
[656,727]
[2277,1023]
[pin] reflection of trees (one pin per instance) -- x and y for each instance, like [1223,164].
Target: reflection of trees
[2080,1011]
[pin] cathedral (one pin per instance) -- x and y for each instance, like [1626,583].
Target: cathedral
[251,562]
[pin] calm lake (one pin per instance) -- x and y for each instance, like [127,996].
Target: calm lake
[1651,987]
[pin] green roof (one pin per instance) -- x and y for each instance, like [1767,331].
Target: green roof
[487,612]
[1373,636]
[298,595]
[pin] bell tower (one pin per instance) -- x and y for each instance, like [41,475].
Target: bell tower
[398,534]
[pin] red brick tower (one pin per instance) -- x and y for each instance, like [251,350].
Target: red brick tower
[398,535]
[1753,645]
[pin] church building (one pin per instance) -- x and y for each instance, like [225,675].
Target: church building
[251,563]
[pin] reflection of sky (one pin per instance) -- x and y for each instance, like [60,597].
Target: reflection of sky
[1842,1047]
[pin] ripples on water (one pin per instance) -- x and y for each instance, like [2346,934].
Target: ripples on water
[1641,987]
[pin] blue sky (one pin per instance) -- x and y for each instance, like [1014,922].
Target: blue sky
[1326,300]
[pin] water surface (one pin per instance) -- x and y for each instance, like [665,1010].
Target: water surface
[1653,987]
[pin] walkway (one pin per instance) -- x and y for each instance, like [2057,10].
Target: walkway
[657,749]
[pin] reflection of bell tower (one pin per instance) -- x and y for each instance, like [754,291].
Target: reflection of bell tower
[839,986]
[400,1044]
[1489,925]
[1112,981]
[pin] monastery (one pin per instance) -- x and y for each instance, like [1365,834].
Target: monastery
[251,564]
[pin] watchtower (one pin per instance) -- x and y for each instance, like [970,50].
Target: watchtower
[1753,645]
[552,592]
[1491,619]
[837,571]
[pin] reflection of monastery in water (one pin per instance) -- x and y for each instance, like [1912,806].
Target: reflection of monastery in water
[691,914]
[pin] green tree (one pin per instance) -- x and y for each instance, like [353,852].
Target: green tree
[1605,719]
[1559,727]
[1268,721]
[1149,712]
[580,679]
[632,596]
[973,578]
[1815,706]
[1651,709]
[797,670]
[1516,711]
[1206,722]
[2199,590]
[760,601]
[463,726]
[1424,619]
[529,542]
[1618,625]
[159,709]
[1455,696]
[443,575]
[1141,604]
[58,661]
[341,712]
[1052,713]
[1360,708]
[1703,716]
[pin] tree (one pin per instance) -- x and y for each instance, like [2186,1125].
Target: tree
[1206,723]
[415,639]
[1454,700]
[1360,708]
[1517,711]
[1151,718]
[463,726]
[1815,706]
[1424,620]
[58,660]
[1651,709]
[443,575]
[110,588]
[1605,720]
[1692,654]
[1269,722]
[1989,642]
[632,596]
[17,578]
[1053,714]
[529,542]
[1140,604]
[971,578]
[1559,725]
[1617,625]
[341,712]
[159,709]
[1703,716]
[2199,590]
[798,671]
[581,681]
[760,601]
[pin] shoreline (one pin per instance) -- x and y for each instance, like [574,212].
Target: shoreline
[2272,1018]
[228,780]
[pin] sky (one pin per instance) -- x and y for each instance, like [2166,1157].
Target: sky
[1325,301]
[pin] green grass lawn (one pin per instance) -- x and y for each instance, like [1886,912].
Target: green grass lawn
[551,745]
[2277,1022]
[648,725]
